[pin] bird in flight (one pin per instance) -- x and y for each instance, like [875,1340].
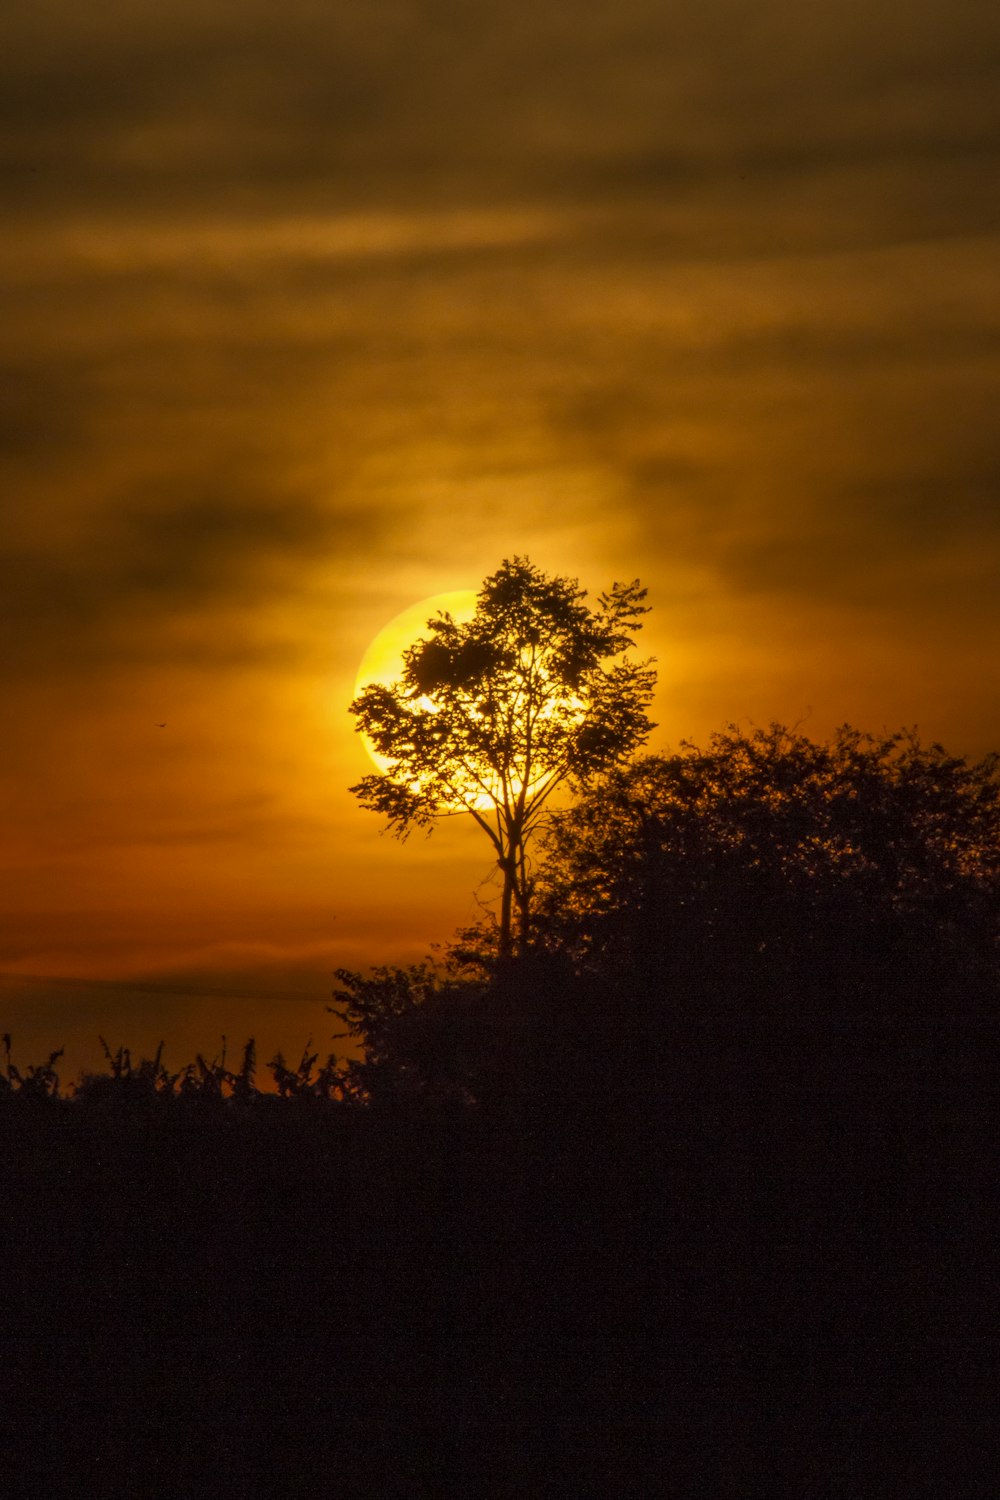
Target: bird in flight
[162,726]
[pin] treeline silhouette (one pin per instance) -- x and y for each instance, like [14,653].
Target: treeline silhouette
[711,1165]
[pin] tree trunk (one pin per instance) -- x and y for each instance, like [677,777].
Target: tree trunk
[516,893]
[509,869]
[523,912]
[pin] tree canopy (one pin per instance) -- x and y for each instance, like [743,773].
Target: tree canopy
[489,717]
[777,863]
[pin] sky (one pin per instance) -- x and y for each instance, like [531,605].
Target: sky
[311,312]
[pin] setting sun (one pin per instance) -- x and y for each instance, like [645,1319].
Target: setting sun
[383,661]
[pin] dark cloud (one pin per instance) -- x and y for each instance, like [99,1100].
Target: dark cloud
[42,414]
[830,346]
[923,542]
[112,595]
[931,511]
[444,102]
[195,547]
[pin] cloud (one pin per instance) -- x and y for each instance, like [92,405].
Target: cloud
[115,591]
[42,413]
[400,104]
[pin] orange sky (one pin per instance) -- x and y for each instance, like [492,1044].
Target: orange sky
[313,312]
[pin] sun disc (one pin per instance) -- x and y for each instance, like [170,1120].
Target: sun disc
[383,661]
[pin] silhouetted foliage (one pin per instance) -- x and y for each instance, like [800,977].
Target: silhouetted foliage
[129,1085]
[301,1083]
[490,717]
[770,860]
[38,1081]
[135,1083]
[423,1032]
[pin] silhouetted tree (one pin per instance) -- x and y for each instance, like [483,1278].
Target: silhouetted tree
[840,866]
[424,1032]
[490,717]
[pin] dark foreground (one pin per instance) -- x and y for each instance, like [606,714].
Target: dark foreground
[756,1260]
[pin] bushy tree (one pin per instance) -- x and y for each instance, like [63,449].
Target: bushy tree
[423,1031]
[491,716]
[771,859]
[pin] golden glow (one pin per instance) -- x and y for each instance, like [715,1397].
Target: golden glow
[383,661]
